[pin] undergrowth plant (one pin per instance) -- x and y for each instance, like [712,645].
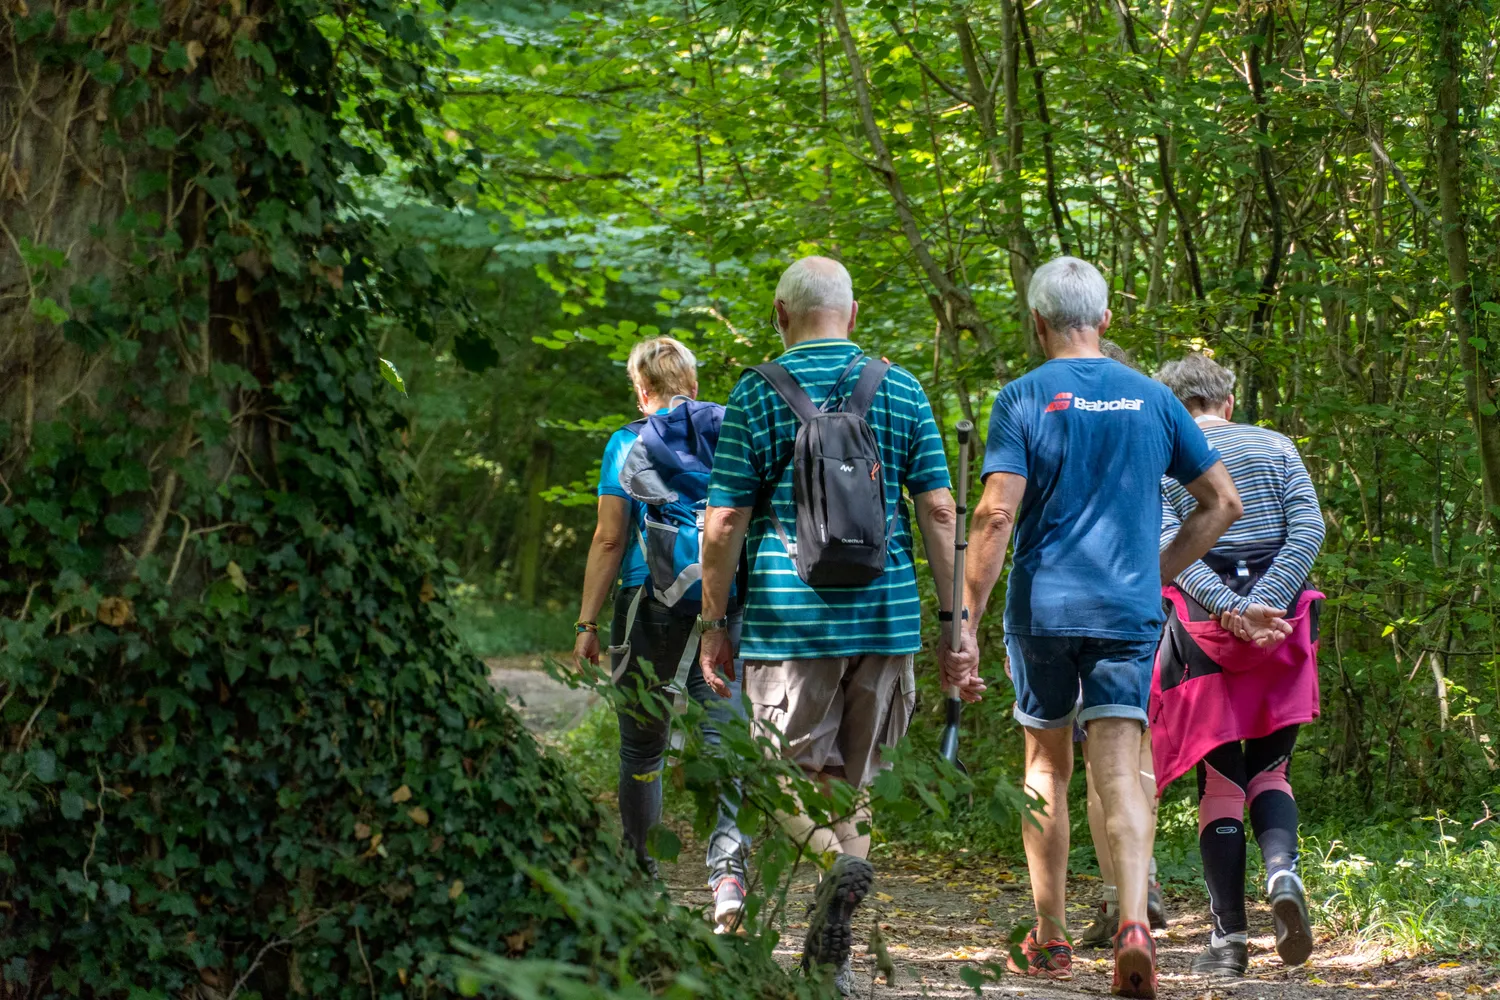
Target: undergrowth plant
[242,750]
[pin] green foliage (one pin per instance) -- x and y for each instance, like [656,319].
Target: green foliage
[501,629]
[662,167]
[245,751]
[1425,885]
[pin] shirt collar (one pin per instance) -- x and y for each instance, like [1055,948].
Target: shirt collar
[823,342]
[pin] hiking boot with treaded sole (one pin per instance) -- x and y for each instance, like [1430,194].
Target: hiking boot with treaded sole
[1227,960]
[1135,962]
[1294,940]
[1053,960]
[1102,931]
[829,933]
[1156,907]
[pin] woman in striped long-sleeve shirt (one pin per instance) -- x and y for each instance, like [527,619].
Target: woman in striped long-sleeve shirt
[1252,581]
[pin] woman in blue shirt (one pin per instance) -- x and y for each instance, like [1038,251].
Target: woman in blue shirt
[662,371]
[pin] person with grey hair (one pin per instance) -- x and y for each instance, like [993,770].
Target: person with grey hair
[648,637]
[1075,455]
[1258,668]
[829,669]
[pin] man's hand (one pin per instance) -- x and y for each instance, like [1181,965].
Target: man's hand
[960,666]
[1265,626]
[586,648]
[716,657]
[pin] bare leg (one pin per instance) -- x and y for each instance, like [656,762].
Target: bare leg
[851,841]
[816,840]
[1148,786]
[1116,760]
[1049,767]
[1096,822]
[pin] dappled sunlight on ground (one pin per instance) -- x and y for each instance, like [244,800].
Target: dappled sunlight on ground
[936,917]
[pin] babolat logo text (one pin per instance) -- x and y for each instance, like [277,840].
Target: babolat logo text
[1107,404]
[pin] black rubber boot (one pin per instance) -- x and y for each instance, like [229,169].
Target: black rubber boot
[1225,961]
[829,930]
[1294,939]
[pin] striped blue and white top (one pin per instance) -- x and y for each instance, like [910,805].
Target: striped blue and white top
[1280,506]
[785,619]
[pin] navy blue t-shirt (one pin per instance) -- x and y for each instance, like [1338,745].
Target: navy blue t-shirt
[1093,438]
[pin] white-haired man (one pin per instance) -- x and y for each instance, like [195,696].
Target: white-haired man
[829,668]
[1074,461]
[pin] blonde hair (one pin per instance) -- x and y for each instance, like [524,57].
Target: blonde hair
[663,367]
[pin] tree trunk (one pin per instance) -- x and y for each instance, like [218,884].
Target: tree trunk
[1446,73]
[956,304]
[533,522]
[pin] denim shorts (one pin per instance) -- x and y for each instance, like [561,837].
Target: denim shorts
[1049,670]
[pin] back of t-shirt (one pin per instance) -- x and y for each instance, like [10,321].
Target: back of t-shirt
[1093,438]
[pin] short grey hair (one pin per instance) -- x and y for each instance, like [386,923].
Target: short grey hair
[816,283]
[1070,294]
[1198,380]
[663,367]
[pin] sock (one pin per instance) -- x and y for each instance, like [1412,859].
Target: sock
[1217,941]
[1221,841]
[1111,900]
[1273,816]
[1153,869]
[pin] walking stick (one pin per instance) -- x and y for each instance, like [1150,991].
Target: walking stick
[948,746]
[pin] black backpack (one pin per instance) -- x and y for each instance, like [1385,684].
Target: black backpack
[843,528]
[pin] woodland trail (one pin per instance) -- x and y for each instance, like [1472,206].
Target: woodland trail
[938,914]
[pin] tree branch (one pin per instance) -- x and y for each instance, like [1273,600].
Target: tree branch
[911,46]
[959,308]
[1059,212]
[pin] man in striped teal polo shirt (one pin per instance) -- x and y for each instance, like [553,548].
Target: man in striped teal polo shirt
[829,669]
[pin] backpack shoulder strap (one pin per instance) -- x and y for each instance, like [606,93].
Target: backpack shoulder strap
[868,385]
[788,389]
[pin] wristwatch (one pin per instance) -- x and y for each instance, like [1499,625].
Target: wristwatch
[713,624]
[947,616]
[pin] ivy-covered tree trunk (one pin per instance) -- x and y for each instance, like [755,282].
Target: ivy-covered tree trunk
[241,748]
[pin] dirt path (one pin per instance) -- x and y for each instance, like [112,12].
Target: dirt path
[937,916]
[544,704]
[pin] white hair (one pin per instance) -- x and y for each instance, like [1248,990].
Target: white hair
[663,367]
[816,283]
[1070,294]
[1198,380]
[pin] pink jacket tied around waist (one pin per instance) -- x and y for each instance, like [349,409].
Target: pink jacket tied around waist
[1211,688]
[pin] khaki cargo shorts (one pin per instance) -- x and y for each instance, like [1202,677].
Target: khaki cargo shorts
[834,713]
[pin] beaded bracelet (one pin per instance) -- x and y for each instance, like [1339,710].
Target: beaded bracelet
[583,627]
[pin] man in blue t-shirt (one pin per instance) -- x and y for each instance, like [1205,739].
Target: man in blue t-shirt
[1074,461]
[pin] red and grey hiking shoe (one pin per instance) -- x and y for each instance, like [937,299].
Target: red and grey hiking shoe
[729,902]
[1053,960]
[1135,962]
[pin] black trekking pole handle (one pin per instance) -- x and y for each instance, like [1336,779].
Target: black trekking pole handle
[948,745]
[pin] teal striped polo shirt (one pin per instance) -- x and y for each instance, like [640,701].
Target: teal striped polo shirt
[785,619]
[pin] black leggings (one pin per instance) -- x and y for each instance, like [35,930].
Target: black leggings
[1255,771]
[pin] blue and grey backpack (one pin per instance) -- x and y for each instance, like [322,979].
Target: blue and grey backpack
[667,469]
